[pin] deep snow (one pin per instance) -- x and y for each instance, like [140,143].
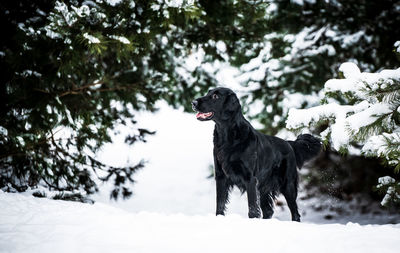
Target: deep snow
[32,225]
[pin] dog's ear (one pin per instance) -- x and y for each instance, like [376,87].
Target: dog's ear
[231,106]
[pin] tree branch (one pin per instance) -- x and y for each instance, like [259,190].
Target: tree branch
[78,90]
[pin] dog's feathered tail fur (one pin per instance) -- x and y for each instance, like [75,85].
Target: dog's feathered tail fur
[305,147]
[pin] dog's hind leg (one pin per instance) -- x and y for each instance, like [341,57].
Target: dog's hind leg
[290,196]
[290,193]
[267,205]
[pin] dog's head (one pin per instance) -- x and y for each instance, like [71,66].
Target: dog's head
[220,104]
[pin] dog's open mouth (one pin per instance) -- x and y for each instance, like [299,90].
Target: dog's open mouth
[204,115]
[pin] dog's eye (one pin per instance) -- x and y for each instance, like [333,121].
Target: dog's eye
[214,96]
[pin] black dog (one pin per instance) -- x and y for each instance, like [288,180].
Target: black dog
[262,165]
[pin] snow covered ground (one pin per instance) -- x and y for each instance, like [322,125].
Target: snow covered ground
[32,225]
[172,209]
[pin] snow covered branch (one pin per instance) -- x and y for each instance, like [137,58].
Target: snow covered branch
[361,108]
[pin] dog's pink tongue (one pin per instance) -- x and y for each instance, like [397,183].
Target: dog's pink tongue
[203,115]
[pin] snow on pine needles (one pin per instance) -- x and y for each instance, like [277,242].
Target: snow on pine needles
[369,116]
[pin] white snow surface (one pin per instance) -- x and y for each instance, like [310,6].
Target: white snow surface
[29,224]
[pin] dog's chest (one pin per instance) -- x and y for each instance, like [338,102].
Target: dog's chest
[231,162]
[231,150]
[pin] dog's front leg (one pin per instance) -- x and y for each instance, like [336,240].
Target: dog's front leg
[222,194]
[253,197]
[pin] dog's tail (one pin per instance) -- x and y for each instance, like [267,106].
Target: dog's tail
[305,147]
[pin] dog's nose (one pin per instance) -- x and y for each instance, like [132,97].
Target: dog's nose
[195,103]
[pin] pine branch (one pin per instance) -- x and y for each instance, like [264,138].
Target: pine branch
[82,89]
[79,90]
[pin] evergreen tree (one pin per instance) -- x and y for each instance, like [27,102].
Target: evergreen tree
[366,121]
[73,70]
[307,41]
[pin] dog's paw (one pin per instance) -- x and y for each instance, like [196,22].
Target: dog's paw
[254,213]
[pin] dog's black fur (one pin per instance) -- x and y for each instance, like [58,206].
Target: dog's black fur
[261,165]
